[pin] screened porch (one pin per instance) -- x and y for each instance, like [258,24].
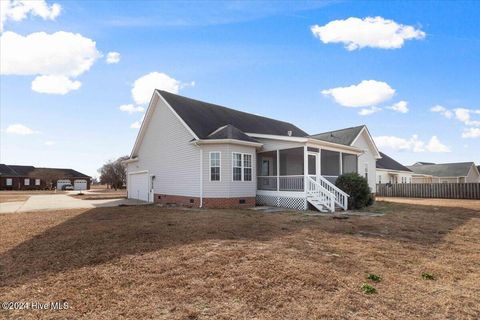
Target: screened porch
[285,170]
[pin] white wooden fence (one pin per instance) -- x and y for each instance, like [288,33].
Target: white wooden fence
[430,190]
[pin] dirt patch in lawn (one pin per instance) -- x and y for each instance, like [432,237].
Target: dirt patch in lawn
[13,198]
[462,203]
[155,263]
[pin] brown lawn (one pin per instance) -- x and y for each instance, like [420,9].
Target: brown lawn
[155,263]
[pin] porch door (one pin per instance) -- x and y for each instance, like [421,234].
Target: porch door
[313,165]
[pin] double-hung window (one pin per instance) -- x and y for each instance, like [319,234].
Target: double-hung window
[26,182]
[9,181]
[242,166]
[214,166]
[37,182]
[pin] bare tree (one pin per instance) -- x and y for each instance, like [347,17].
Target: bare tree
[114,173]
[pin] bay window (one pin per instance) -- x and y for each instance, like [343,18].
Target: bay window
[215,166]
[241,166]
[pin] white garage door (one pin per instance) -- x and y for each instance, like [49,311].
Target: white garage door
[61,183]
[80,184]
[138,186]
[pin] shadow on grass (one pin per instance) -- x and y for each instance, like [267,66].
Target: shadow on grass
[102,234]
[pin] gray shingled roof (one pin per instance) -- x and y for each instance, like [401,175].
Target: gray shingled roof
[204,118]
[390,164]
[459,169]
[230,132]
[7,171]
[342,136]
[31,171]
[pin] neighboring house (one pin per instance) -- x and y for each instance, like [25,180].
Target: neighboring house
[461,172]
[357,137]
[420,163]
[14,177]
[204,155]
[392,171]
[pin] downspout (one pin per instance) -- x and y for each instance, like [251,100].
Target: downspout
[201,174]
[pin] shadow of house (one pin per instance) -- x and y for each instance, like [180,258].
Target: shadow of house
[104,234]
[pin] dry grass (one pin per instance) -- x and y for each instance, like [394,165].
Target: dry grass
[156,263]
[469,204]
[13,197]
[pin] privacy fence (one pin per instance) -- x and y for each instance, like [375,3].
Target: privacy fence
[430,190]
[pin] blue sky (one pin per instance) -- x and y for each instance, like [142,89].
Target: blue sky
[257,57]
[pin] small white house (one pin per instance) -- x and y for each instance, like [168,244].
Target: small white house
[199,154]
[391,171]
[459,172]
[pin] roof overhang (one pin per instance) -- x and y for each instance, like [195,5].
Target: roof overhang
[227,141]
[394,171]
[130,160]
[309,141]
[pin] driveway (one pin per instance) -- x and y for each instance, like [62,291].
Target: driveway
[61,201]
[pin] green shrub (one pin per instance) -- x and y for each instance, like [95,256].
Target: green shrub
[427,276]
[374,277]
[357,187]
[368,289]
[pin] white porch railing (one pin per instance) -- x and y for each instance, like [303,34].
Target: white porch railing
[320,197]
[284,183]
[341,198]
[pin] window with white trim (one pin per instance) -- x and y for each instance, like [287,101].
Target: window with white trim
[241,166]
[26,182]
[366,171]
[37,182]
[9,181]
[379,179]
[214,166]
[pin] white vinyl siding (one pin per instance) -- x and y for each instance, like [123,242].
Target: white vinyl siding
[227,188]
[9,181]
[26,182]
[367,159]
[215,166]
[167,153]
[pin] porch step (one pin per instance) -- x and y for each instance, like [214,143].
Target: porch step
[319,205]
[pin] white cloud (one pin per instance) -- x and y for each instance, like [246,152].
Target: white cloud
[113,57]
[49,143]
[57,58]
[20,129]
[59,53]
[464,115]
[136,125]
[369,111]
[412,144]
[374,32]
[19,9]
[143,87]
[365,94]
[434,145]
[471,133]
[401,106]
[130,108]
[442,110]
[54,84]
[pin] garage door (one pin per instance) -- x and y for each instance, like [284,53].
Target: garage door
[80,184]
[138,186]
[61,183]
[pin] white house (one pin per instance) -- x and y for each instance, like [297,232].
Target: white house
[199,154]
[391,171]
[459,172]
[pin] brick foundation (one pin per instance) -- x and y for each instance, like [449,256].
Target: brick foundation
[240,202]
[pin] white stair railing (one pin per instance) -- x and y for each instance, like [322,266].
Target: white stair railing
[341,198]
[319,196]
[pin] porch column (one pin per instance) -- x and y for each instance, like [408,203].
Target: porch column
[305,167]
[278,170]
[341,164]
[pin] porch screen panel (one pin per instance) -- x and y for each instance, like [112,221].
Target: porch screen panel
[291,162]
[267,163]
[330,163]
[349,162]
